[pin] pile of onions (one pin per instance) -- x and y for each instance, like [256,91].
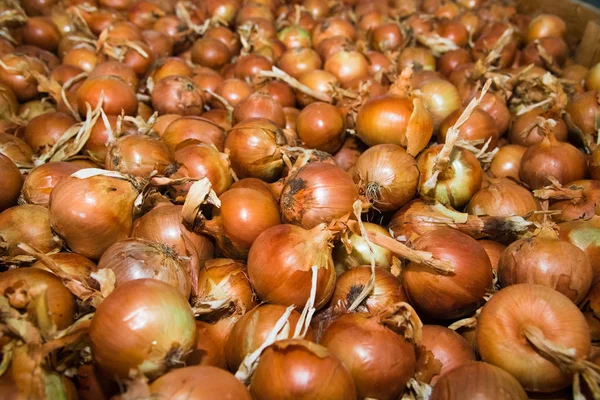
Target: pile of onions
[145,324]
[380,361]
[319,192]
[136,258]
[280,265]
[300,368]
[517,326]
[458,293]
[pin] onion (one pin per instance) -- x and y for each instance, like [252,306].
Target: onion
[298,61]
[546,25]
[280,262]
[551,158]
[11,181]
[281,92]
[137,316]
[584,235]
[177,95]
[28,224]
[20,79]
[516,322]
[253,148]
[487,41]
[457,183]
[198,128]
[321,126]
[448,347]
[319,192]
[452,59]
[91,214]
[42,132]
[440,98]
[380,361]
[478,380]
[355,252]
[74,265]
[502,198]
[525,130]
[116,69]
[259,105]
[138,155]
[547,261]
[330,27]
[458,293]
[209,348]
[19,285]
[251,331]
[318,81]
[579,200]
[388,175]
[507,161]
[244,214]
[172,66]
[41,180]
[233,91]
[347,156]
[249,66]
[118,97]
[16,149]
[132,259]
[387,291]
[200,382]
[555,52]
[590,310]
[386,37]
[295,368]
[494,251]
[418,57]
[592,80]
[210,53]
[347,66]
[197,160]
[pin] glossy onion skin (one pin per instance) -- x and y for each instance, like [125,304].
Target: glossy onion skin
[380,360]
[478,380]
[142,324]
[447,346]
[27,223]
[299,369]
[501,341]
[199,383]
[458,293]
[502,198]
[41,180]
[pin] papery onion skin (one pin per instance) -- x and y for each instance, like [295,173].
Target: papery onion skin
[145,324]
[280,262]
[388,174]
[360,253]
[11,182]
[518,131]
[199,383]
[502,198]
[73,264]
[132,259]
[197,128]
[61,303]
[380,361]
[251,330]
[41,180]
[27,223]
[387,290]
[15,148]
[458,293]
[547,261]
[478,380]
[586,236]
[582,208]
[91,214]
[479,126]
[301,369]
[447,346]
[319,192]
[507,161]
[500,334]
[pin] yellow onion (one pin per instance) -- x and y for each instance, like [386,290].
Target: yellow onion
[440,98]
[502,198]
[11,182]
[29,224]
[586,236]
[448,347]
[138,155]
[358,252]
[41,180]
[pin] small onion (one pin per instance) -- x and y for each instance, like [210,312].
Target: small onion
[280,265]
[458,293]
[198,128]
[502,198]
[250,332]
[29,224]
[138,155]
[582,204]
[11,182]
[177,95]
[478,380]
[295,368]
[440,98]
[200,382]
[507,161]
[43,131]
[479,126]
[536,311]
[447,346]
[452,59]
[319,192]
[388,175]
[321,126]
[380,361]
[259,105]
[41,180]
[525,132]
[132,259]
[580,116]
[546,25]
[347,66]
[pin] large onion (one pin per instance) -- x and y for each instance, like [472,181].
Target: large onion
[458,293]
[380,361]
[144,324]
[520,314]
[301,369]
[91,214]
[29,224]
[136,258]
[448,347]
[280,262]
[502,198]
[319,192]
[388,175]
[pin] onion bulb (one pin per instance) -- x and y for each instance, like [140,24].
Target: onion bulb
[356,252]
[586,236]
[440,98]
[144,324]
[447,346]
[502,198]
[507,161]
[138,155]
[11,182]
[41,180]
[28,224]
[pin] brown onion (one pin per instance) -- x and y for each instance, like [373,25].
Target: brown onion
[138,155]
[380,361]
[117,96]
[507,161]
[502,198]
[347,156]
[321,126]
[584,234]
[73,264]
[319,192]
[478,380]
[554,50]
[418,57]
[525,132]
[479,126]
[29,224]
[15,148]
[259,105]
[209,350]
[580,116]
[139,315]
[233,90]
[494,251]
[592,80]
[197,128]
[452,59]
[440,98]
[448,347]
[347,66]
[296,368]
[11,181]
[546,25]
[250,332]
[177,95]
[43,131]
[210,53]
[458,293]
[298,61]
[40,181]
[19,77]
[519,313]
